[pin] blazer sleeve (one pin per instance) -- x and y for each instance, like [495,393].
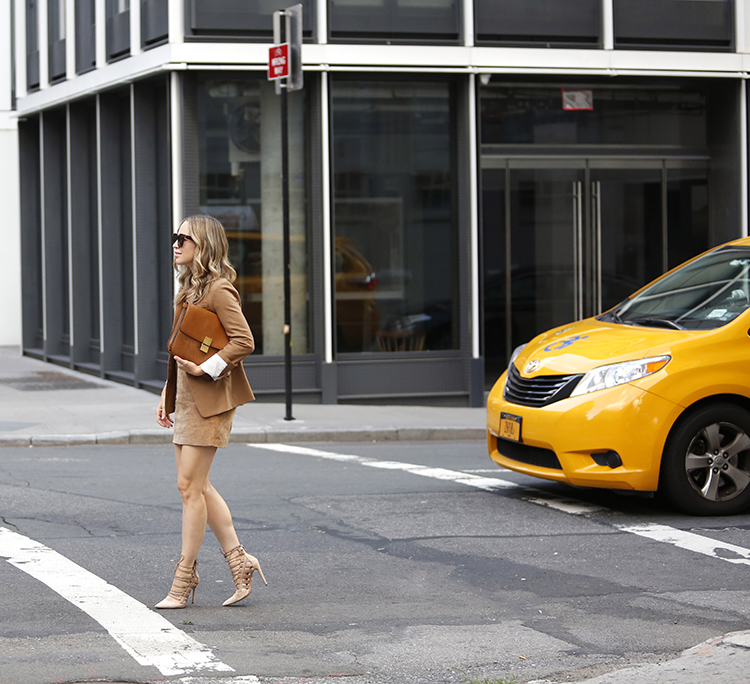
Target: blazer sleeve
[226,303]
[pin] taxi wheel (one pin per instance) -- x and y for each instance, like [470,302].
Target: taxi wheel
[706,464]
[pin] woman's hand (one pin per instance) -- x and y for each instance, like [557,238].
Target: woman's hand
[162,417]
[189,367]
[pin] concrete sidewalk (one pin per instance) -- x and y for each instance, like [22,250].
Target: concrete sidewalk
[724,660]
[48,405]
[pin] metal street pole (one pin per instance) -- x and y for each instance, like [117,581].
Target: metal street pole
[287,256]
[287,28]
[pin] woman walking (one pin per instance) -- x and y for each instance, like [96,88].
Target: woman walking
[203,398]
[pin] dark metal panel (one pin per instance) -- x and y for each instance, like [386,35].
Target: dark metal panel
[85,35]
[146,230]
[56,43]
[113,171]
[118,31]
[55,233]
[407,375]
[269,375]
[57,60]
[674,23]
[393,20]
[190,151]
[32,44]
[165,222]
[241,18]
[154,22]
[531,22]
[152,226]
[31,233]
[84,232]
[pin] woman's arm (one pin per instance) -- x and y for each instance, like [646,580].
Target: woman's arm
[162,417]
[225,300]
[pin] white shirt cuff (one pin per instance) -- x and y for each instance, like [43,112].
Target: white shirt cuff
[214,366]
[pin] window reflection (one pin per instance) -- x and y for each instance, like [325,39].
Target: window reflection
[395,226]
[240,184]
[620,116]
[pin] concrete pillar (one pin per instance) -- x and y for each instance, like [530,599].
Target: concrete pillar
[272,247]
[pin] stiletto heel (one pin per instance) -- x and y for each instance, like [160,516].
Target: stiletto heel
[242,565]
[185,581]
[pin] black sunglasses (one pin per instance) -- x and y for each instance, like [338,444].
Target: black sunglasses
[180,238]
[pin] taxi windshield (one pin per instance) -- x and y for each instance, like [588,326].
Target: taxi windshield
[704,294]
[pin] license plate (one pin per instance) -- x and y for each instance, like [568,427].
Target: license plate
[510,427]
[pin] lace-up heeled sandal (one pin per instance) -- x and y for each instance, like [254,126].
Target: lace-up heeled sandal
[242,565]
[185,580]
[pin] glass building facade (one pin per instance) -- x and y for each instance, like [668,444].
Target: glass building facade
[463,175]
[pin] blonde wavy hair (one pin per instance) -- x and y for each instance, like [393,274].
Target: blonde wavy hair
[210,262]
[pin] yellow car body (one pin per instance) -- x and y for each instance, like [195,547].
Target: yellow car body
[615,437]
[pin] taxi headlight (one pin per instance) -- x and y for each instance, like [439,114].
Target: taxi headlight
[619,374]
[515,354]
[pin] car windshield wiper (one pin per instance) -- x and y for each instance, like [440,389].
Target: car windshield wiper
[656,323]
[610,316]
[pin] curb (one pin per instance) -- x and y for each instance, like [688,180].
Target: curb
[254,436]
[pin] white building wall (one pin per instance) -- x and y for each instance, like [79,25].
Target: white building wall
[10,225]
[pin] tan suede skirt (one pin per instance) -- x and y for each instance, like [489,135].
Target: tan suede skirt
[190,427]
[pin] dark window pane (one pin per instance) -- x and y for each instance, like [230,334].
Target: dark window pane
[528,116]
[242,18]
[531,22]
[240,184]
[674,23]
[118,28]
[56,38]
[496,350]
[687,214]
[85,14]
[32,45]
[394,19]
[395,223]
[154,21]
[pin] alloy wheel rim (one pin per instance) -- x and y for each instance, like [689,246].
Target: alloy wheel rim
[717,462]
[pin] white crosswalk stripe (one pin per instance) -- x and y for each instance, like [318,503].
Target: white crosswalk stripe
[145,635]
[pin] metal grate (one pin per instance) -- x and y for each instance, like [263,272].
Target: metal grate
[541,390]
[531,455]
[42,381]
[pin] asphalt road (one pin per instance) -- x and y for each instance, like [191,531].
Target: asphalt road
[377,570]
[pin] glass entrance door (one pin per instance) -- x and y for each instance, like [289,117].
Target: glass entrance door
[569,238]
[625,230]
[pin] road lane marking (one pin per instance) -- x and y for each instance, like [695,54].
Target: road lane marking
[489,484]
[146,636]
[689,541]
[565,504]
[486,483]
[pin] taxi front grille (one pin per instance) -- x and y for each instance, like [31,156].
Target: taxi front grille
[531,455]
[541,390]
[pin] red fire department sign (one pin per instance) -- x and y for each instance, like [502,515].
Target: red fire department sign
[278,61]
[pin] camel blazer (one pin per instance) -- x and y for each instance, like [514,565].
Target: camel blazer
[232,388]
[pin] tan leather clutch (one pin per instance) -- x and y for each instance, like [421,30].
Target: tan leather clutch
[198,334]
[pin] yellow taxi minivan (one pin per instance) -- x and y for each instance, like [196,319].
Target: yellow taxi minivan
[652,395]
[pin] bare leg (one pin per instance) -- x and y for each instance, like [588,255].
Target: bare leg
[220,519]
[193,465]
